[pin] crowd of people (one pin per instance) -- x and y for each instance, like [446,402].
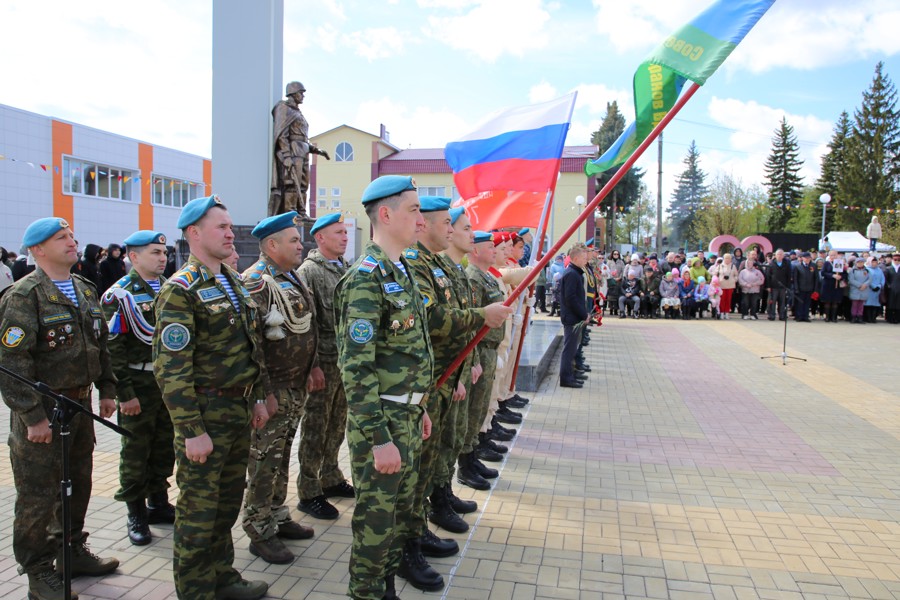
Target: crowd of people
[825,285]
[215,372]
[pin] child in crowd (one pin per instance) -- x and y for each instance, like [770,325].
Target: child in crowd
[715,297]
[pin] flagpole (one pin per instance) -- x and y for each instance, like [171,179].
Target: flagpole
[588,210]
[542,231]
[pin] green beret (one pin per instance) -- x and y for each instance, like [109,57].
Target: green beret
[455,214]
[144,237]
[194,210]
[275,223]
[433,203]
[483,236]
[39,231]
[386,186]
[326,220]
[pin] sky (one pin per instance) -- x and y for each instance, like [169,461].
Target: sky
[431,70]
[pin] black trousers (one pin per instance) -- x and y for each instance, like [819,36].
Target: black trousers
[571,343]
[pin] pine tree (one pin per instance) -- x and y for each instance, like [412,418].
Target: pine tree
[690,191]
[871,176]
[627,191]
[783,181]
[833,165]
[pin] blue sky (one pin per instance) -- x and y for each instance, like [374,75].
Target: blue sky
[431,69]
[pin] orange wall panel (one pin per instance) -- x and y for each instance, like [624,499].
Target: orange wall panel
[145,163]
[61,134]
[207,176]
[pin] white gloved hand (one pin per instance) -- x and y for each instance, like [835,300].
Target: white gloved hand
[517,320]
[529,300]
[500,362]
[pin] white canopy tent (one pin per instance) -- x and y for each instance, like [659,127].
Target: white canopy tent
[853,241]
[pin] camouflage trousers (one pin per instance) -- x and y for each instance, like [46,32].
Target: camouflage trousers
[321,435]
[383,518]
[267,469]
[37,471]
[454,436]
[147,458]
[433,468]
[480,398]
[209,500]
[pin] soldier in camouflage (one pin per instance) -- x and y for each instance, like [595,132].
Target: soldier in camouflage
[287,315]
[207,356]
[486,290]
[325,418]
[52,329]
[146,459]
[385,358]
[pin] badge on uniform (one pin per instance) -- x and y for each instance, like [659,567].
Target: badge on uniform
[392,287]
[175,337]
[361,331]
[13,337]
[427,300]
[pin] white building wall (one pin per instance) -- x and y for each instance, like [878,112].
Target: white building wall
[102,221]
[26,193]
[106,148]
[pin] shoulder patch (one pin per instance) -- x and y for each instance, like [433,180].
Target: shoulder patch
[368,264]
[361,331]
[427,300]
[175,337]
[185,278]
[255,272]
[412,253]
[13,336]
[438,272]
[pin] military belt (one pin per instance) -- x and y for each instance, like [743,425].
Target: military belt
[148,366]
[79,393]
[237,390]
[410,398]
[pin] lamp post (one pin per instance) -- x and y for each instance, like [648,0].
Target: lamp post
[824,199]
[579,202]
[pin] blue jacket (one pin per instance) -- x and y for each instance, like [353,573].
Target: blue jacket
[572,305]
[876,282]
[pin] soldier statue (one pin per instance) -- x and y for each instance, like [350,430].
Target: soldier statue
[290,164]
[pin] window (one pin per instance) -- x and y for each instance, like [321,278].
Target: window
[94,179]
[336,203]
[323,192]
[343,152]
[322,203]
[175,192]
[336,192]
[432,191]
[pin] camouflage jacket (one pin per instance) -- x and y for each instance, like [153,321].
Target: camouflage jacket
[201,342]
[382,338]
[466,296]
[45,337]
[486,290]
[321,276]
[290,348]
[125,348]
[451,321]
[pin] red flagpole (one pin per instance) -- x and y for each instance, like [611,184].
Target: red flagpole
[588,210]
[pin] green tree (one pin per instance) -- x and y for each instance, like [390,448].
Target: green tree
[807,218]
[783,180]
[833,165]
[730,209]
[871,173]
[638,222]
[689,194]
[628,190]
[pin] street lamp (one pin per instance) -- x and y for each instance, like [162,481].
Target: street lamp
[824,199]
[579,201]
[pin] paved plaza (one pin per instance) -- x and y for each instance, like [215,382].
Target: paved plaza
[687,468]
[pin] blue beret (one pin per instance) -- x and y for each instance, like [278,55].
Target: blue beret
[275,223]
[587,243]
[194,210]
[455,214]
[144,237]
[433,203]
[523,231]
[387,185]
[39,231]
[326,220]
[483,236]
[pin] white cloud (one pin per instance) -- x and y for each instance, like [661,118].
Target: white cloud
[493,28]
[415,127]
[375,43]
[637,24]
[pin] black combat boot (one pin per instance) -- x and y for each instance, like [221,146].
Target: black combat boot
[435,547]
[442,515]
[467,475]
[390,590]
[138,529]
[159,510]
[416,570]
[482,469]
[459,506]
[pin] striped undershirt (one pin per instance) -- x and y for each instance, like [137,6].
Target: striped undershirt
[231,295]
[67,287]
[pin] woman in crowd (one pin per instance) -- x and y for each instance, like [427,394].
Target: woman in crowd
[858,283]
[698,270]
[872,307]
[727,272]
[833,284]
[751,281]
[686,295]
[668,292]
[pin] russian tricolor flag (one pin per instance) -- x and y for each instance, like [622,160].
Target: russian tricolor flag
[516,150]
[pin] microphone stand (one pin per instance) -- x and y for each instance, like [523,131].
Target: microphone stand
[784,355]
[65,411]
